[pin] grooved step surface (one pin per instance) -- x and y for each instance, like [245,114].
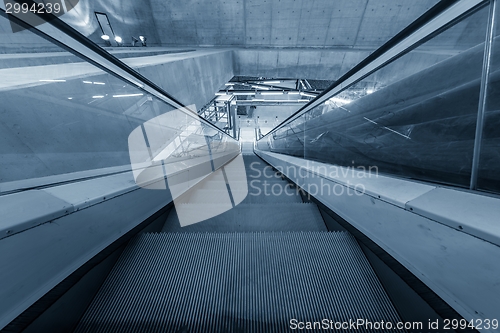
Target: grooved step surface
[253,217]
[237,282]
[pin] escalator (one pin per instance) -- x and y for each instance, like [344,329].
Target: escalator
[267,265]
[106,252]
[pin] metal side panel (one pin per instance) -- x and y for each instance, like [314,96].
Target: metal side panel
[37,259]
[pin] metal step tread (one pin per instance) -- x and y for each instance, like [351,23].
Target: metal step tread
[237,282]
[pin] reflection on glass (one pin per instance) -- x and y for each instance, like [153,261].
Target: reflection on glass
[415,117]
[177,151]
[61,115]
[489,163]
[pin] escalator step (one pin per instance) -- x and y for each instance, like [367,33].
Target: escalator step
[237,282]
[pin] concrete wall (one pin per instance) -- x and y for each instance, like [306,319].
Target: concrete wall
[192,77]
[317,64]
[22,41]
[296,63]
[284,23]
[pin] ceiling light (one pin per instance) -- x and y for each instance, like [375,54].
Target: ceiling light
[127,95]
[243,93]
[340,101]
[98,96]
[118,39]
[260,87]
[100,83]
[272,93]
[369,91]
[87,82]
[52,80]
[270,82]
[105,37]
[307,95]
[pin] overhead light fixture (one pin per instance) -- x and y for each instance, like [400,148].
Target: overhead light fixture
[369,91]
[127,95]
[307,95]
[229,84]
[98,96]
[99,83]
[279,100]
[70,97]
[105,37]
[143,40]
[260,87]
[272,93]
[271,82]
[245,93]
[118,39]
[50,80]
[340,101]
[87,82]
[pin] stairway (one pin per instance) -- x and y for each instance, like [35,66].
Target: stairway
[253,268]
[237,282]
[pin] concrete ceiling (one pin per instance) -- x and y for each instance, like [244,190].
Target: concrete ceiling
[364,24]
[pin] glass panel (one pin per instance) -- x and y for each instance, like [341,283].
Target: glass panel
[489,163]
[61,115]
[415,117]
